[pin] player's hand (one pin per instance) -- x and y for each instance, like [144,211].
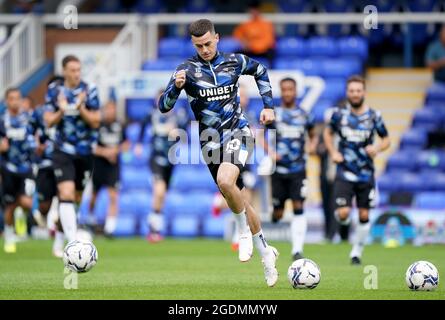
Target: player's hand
[337,157]
[4,145]
[62,102]
[138,150]
[267,116]
[371,150]
[81,98]
[312,149]
[180,79]
[275,157]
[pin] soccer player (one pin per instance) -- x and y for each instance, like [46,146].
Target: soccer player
[17,146]
[72,106]
[289,181]
[163,126]
[210,80]
[356,126]
[106,163]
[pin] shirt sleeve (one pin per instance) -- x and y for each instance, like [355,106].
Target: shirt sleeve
[92,100]
[253,68]
[171,94]
[380,126]
[334,121]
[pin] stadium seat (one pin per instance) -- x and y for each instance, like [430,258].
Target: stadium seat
[310,67]
[171,47]
[414,138]
[436,93]
[401,160]
[388,182]
[421,5]
[135,202]
[340,67]
[111,6]
[197,6]
[319,109]
[132,132]
[135,178]
[130,159]
[322,46]
[185,226]
[353,46]
[426,116]
[214,226]
[125,226]
[188,203]
[148,6]
[433,180]
[430,200]
[290,47]
[138,108]
[411,182]
[186,178]
[292,5]
[430,159]
[334,89]
[229,45]
[162,64]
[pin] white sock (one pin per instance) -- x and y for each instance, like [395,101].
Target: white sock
[59,240]
[110,224]
[361,234]
[241,222]
[9,233]
[68,219]
[261,243]
[298,228]
[156,221]
[235,235]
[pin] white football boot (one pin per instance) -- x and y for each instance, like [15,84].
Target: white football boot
[270,271]
[245,249]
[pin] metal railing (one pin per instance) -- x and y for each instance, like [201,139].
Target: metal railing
[22,53]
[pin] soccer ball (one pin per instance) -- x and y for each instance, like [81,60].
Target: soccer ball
[422,276]
[304,274]
[80,256]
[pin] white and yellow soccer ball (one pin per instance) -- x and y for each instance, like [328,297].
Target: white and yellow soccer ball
[304,274]
[80,256]
[422,276]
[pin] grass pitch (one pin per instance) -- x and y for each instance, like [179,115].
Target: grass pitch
[208,269]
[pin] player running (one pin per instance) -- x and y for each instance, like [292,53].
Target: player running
[72,106]
[17,146]
[210,80]
[289,179]
[106,164]
[355,126]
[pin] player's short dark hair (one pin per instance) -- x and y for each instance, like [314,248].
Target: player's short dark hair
[67,59]
[356,78]
[11,90]
[201,27]
[288,79]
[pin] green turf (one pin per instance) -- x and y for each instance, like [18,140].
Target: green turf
[207,269]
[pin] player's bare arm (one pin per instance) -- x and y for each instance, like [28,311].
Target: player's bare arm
[336,156]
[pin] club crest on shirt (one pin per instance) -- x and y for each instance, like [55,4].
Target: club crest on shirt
[198,73]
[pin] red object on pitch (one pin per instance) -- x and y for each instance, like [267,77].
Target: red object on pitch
[235,246]
[154,238]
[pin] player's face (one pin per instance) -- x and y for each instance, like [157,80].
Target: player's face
[71,72]
[206,45]
[14,101]
[110,112]
[355,94]
[288,93]
[26,104]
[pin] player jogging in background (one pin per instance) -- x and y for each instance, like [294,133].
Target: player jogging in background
[17,146]
[289,179]
[355,125]
[210,80]
[72,106]
[163,135]
[106,164]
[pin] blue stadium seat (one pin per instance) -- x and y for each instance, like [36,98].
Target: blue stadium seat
[421,5]
[134,202]
[430,159]
[388,182]
[148,6]
[125,226]
[401,160]
[322,46]
[292,5]
[197,6]
[162,64]
[130,159]
[186,178]
[353,46]
[132,132]
[310,67]
[340,67]
[414,138]
[436,93]
[433,180]
[286,63]
[290,47]
[319,109]
[430,200]
[135,178]
[138,108]
[229,45]
[426,116]
[171,47]
[411,182]
[383,198]
[214,226]
[334,89]
[185,226]
[189,203]
[337,6]
[111,6]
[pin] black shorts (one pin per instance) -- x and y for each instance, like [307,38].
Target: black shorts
[288,186]
[74,168]
[16,185]
[161,171]
[46,184]
[364,193]
[105,174]
[236,150]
